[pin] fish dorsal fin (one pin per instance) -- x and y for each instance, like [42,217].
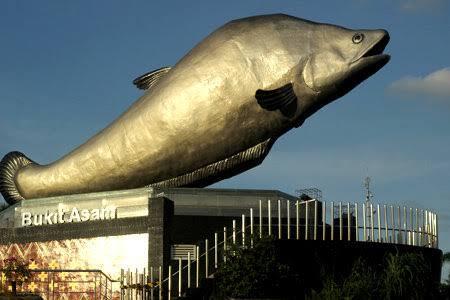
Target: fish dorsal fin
[149,79]
[276,99]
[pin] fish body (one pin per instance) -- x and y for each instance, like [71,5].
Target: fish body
[214,114]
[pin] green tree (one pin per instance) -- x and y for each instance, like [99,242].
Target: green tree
[362,281]
[400,276]
[403,277]
[254,271]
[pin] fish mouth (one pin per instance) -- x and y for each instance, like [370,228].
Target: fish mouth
[378,47]
[368,63]
[374,53]
[372,59]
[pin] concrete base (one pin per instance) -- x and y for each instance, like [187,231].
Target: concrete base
[68,232]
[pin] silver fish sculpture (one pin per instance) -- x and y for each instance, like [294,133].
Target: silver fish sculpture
[213,115]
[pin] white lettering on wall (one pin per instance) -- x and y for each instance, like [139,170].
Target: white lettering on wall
[61,216]
[26,219]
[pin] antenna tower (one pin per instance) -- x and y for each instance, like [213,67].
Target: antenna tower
[369,213]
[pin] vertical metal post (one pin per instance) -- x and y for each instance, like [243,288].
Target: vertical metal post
[130,280]
[206,258]
[364,222]
[430,221]
[129,290]
[169,289]
[234,231]
[411,227]
[324,218]
[243,230]
[416,233]
[189,271]
[379,223]
[136,279]
[121,283]
[372,231]
[288,204]
[216,254]
[422,232]
[426,227]
[386,237]
[279,219]
[315,220]
[269,216]
[332,219]
[399,235]
[224,244]
[429,229]
[392,223]
[260,218]
[340,221]
[160,279]
[197,266]
[437,232]
[151,283]
[435,227]
[348,221]
[432,228]
[297,220]
[251,227]
[143,282]
[405,228]
[356,222]
[306,219]
[180,272]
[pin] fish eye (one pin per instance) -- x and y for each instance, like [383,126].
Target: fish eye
[358,38]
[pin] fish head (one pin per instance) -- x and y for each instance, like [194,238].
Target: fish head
[339,60]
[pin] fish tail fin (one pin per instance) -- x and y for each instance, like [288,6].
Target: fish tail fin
[9,165]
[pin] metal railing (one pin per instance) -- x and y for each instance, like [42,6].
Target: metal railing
[65,284]
[301,220]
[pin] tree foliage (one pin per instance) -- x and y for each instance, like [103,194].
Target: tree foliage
[254,271]
[258,273]
[399,277]
[403,277]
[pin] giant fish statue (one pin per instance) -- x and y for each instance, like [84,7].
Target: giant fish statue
[213,115]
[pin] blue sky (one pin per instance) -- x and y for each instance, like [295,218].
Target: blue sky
[66,70]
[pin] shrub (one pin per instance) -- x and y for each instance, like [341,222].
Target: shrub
[361,283]
[254,272]
[404,276]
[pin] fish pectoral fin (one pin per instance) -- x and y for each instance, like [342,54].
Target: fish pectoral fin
[276,99]
[146,81]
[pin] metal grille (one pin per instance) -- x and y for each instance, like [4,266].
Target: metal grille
[182,251]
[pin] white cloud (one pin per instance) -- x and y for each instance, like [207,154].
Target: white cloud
[435,84]
[422,5]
